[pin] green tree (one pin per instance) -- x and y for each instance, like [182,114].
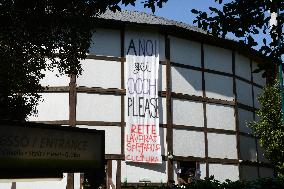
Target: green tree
[32,31]
[269,129]
[247,20]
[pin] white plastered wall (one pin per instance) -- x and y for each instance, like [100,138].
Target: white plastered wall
[260,153]
[243,66]
[135,172]
[162,48]
[244,92]
[257,91]
[96,107]
[222,146]
[185,52]
[51,107]
[248,172]
[245,117]
[266,172]
[216,58]
[112,137]
[41,184]
[186,81]
[105,42]
[220,117]
[257,77]
[248,148]
[100,73]
[188,113]
[114,171]
[53,78]
[188,143]
[219,171]
[219,87]
[162,78]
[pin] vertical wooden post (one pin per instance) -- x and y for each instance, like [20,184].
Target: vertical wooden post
[236,111]
[109,174]
[118,175]
[204,111]
[72,120]
[122,120]
[254,117]
[169,137]
[13,186]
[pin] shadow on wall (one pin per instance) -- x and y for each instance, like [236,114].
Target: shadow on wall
[154,167]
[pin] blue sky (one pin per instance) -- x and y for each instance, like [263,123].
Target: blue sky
[179,10]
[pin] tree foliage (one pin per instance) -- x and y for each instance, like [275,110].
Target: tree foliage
[32,32]
[269,128]
[245,20]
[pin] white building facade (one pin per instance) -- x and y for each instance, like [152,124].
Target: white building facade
[207,93]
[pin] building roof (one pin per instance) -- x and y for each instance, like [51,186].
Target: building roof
[145,18]
[175,28]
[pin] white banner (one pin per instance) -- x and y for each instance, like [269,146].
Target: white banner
[142,139]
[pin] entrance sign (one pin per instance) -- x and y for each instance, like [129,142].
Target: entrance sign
[142,139]
[33,146]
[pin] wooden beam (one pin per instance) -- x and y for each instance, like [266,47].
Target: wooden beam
[169,114]
[204,110]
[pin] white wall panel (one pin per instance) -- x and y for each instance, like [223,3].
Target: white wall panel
[260,153]
[202,170]
[185,52]
[112,137]
[96,107]
[77,181]
[105,42]
[187,113]
[243,66]
[266,172]
[53,106]
[216,58]
[114,170]
[257,91]
[163,142]
[162,110]
[222,146]
[162,47]
[220,117]
[53,78]
[188,143]
[133,172]
[248,148]
[257,77]
[244,92]
[100,73]
[186,81]
[219,87]
[7,185]
[248,172]
[245,117]
[223,172]
[162,78]
[42,184]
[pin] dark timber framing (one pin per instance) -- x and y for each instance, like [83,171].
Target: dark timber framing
[204,111]
[236,113]
[72,120]
[73,89]
[169,137]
